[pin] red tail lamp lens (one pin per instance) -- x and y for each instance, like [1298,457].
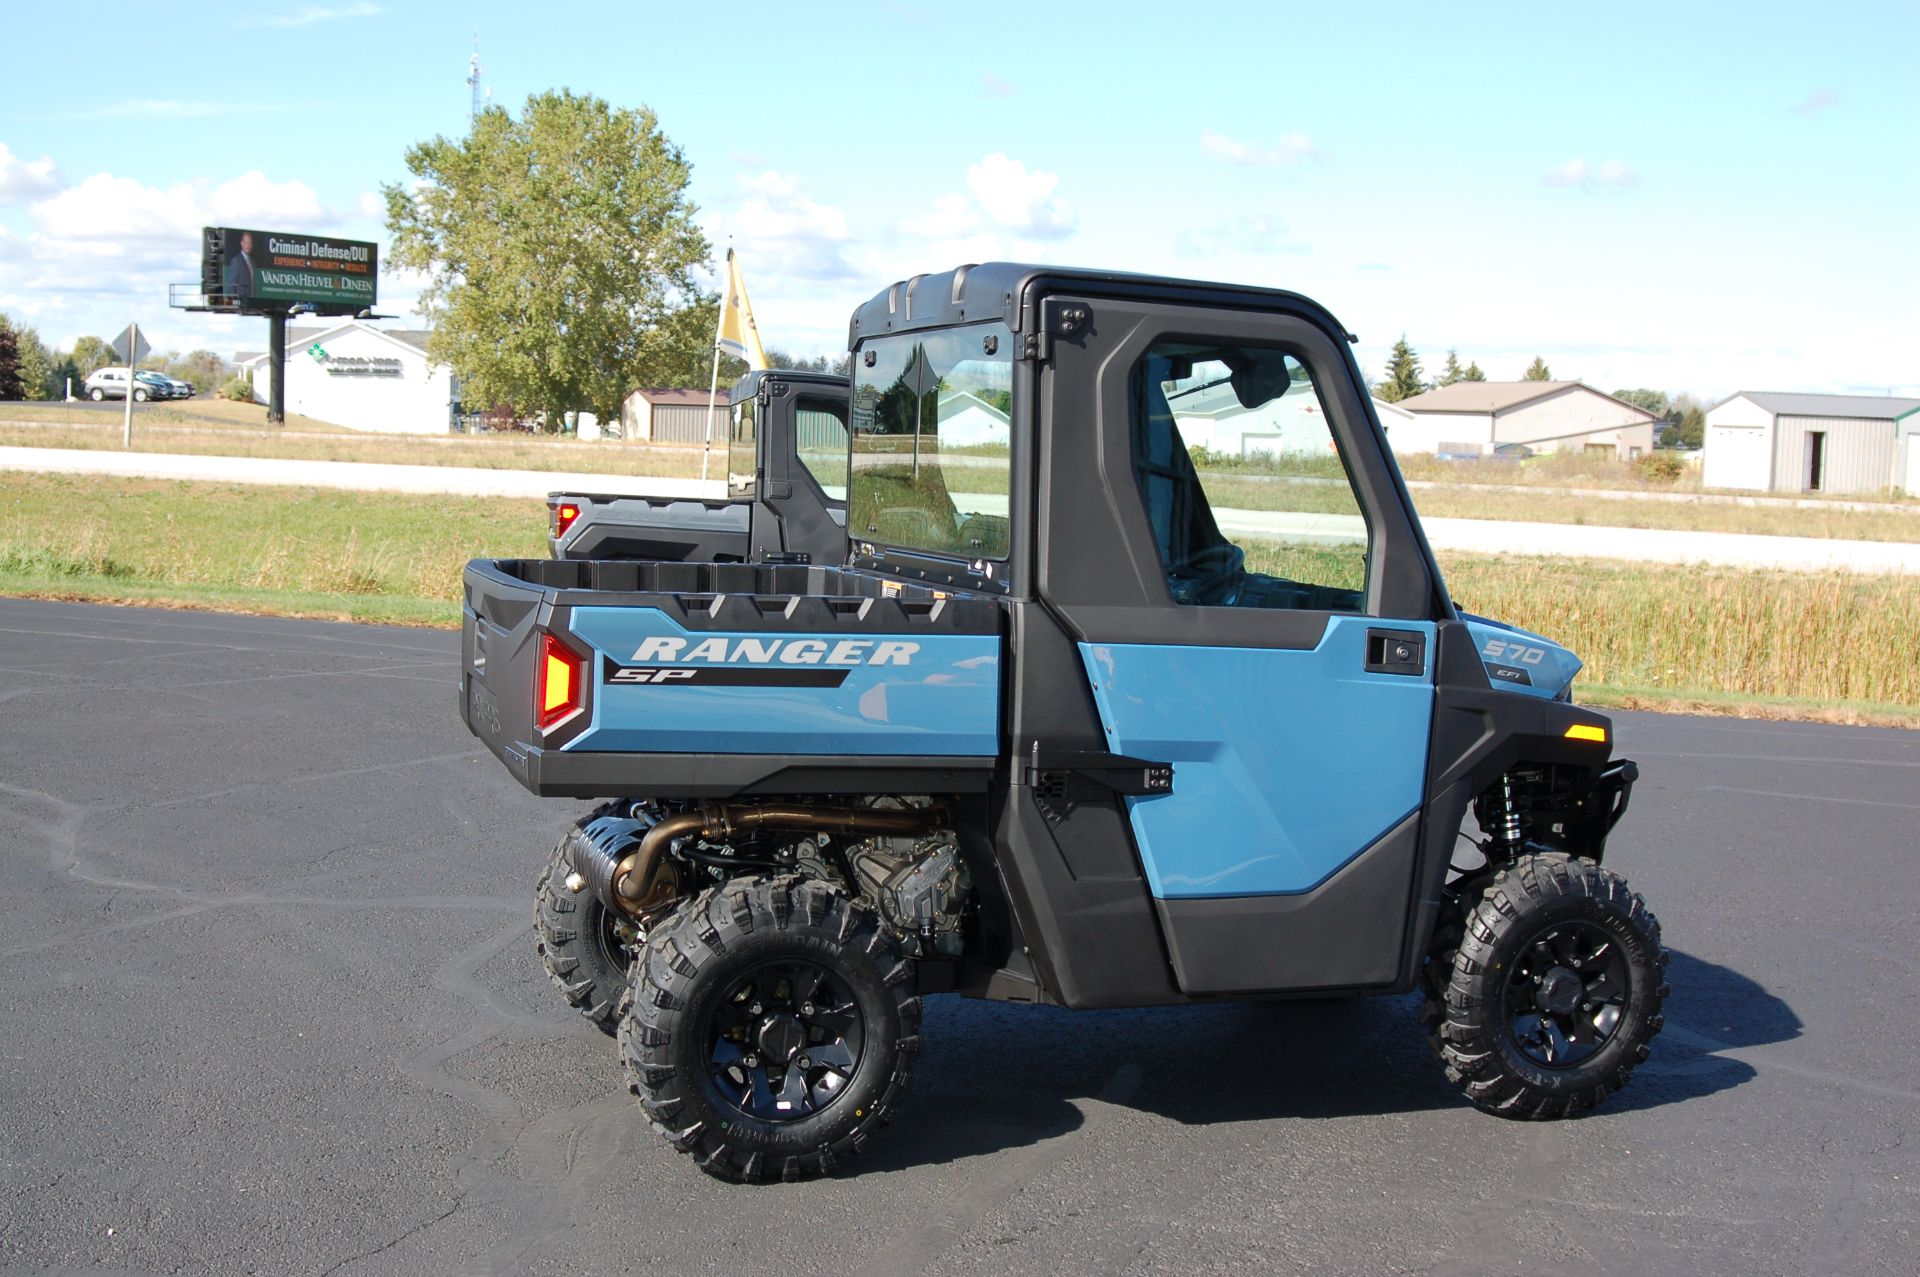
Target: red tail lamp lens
[560,690]
[563,517]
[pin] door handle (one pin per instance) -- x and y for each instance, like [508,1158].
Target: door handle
[1396,652]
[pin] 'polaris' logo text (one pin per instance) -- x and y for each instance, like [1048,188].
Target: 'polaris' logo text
[721,651]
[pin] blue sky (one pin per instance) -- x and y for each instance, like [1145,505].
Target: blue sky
[1691,197]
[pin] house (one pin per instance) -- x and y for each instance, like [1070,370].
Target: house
[1480,417]
[357,375]
[1293,424]
[1771,441]
[654,415]
[968,421]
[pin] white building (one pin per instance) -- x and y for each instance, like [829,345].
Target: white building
[1480,417]
[1768,441]
[1210,417]
[356,375]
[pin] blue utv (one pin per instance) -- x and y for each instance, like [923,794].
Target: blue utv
[1076,722]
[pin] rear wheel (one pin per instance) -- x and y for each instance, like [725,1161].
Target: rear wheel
[1553,991]
[769,1027]
[580,944]
[96,394]
[139,396]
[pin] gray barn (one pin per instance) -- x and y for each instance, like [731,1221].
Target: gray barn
[1770,441]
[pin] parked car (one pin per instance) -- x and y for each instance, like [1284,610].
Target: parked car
[159,385]
[181,389]
[111,383]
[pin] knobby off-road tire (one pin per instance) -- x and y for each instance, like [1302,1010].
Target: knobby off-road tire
[1551,992]
[577,945]
[777,971]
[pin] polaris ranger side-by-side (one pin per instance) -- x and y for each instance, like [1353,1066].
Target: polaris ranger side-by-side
[1049,735]
[786,488]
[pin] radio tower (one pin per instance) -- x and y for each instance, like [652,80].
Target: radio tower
[473,81]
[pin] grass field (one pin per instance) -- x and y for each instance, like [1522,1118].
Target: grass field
[220,428]
[1783,644]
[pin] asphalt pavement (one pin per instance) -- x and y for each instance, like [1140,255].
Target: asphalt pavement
[268,1003]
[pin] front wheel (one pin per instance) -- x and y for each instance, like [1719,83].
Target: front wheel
[1554,992]
[769,1027]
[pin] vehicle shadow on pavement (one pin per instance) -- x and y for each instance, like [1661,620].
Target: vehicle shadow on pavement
[1712,1010]
[996,1077]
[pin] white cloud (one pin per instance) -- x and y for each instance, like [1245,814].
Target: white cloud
[22,179]
[951,216]
[372,205]
[1578,174]
[779,222]
[105,207]
[1817,101]
[310,14]
[1018,198]
[1292,148]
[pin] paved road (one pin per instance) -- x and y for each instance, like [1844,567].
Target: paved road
[269,1004]
[1480,536]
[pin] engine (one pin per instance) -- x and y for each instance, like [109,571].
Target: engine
[921,887]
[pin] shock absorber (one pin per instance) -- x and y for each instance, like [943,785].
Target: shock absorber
[1499,815]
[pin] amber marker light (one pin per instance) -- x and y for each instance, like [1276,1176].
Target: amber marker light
[563,516]
[1588,731]
[560,689]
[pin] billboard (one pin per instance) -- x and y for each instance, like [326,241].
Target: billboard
[279,266]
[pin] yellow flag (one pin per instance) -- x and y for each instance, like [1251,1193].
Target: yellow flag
[738,335]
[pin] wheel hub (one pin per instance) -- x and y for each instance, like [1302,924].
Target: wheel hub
[1560,991]
[780,1037]
[1567,994]
[784,1040]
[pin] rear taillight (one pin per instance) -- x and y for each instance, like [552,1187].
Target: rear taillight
[560,687]
[564,513]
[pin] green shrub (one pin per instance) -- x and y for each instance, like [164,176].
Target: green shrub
[239,389]
[1660,467]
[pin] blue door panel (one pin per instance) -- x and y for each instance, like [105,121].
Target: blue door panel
[1286,763]
[941,698]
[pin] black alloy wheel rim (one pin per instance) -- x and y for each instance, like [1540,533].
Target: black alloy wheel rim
[1567,994]
[784,1040]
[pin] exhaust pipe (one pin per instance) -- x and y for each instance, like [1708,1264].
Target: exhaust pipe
[638,889]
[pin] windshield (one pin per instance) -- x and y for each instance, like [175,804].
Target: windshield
[932,441]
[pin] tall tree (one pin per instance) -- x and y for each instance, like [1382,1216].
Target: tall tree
[1403,374]
[1538,370]
[559,250]
[1473,373]
[90,354]
[10,387]
[1453,371]
[206,370]
[1687,423]
[33,361]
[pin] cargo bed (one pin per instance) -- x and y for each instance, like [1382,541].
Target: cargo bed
[611,679]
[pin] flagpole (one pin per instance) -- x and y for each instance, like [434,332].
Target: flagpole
[713,386]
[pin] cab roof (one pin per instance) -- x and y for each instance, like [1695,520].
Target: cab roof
[1007,291]
[749,386]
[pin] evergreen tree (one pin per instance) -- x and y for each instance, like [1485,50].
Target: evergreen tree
[1538,370]
[10,387]
[1403,374]
[1453,371]
[1473,373]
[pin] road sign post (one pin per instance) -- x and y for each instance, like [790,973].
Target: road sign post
[131,349]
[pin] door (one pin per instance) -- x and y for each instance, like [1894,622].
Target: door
[1816,459]
[1269,634]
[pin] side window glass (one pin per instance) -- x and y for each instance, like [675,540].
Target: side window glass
[1249,500]
[822,442]
[742,460]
